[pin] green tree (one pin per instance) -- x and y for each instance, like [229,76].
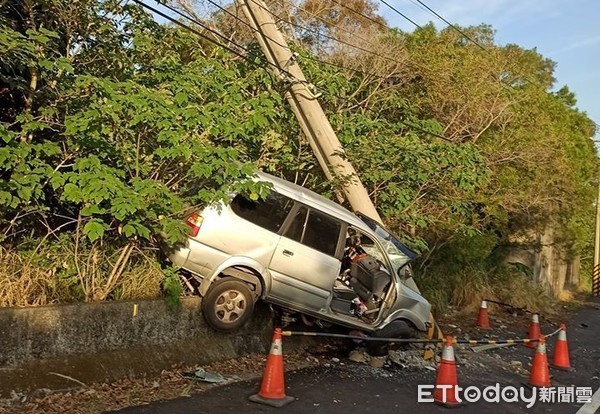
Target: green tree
[118,126]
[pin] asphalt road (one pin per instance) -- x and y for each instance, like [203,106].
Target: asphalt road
[348,387]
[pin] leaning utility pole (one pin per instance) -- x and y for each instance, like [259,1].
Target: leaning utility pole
[312,119]
[315,125]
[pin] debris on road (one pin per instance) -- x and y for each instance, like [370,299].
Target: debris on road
[343,357]
[200,374]
[488,347]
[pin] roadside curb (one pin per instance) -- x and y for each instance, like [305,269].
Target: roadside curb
[95,342]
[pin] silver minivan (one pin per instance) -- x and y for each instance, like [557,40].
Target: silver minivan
[305,253]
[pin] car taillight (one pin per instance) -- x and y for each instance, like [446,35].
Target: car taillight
[194,221]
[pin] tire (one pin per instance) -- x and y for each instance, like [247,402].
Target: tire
[228,305]
[395,329]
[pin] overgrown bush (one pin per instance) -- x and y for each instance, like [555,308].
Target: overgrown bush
[112,129]
[464,290]
[112,125]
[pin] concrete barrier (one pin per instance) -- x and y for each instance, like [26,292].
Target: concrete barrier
[107,341]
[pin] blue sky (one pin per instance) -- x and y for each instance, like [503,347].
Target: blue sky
[566,31]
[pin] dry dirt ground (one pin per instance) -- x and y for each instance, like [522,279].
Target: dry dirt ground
[97,398]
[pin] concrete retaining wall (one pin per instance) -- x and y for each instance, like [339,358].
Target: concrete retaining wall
[106,341]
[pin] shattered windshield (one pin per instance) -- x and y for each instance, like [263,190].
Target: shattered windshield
[398,253]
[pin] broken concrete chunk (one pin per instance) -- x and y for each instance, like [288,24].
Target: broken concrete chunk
[516,364]
[376,362]
[357,356]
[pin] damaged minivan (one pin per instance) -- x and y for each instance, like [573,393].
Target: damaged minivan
[304,253]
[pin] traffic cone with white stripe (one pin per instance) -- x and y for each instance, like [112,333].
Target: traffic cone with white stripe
[447,378]
[561,351]
[272,389]
[540,374]
[483,321]
[534,331]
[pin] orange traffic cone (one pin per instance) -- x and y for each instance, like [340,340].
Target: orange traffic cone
[482,319]
[534,331]
[446,375]
[272,389]
[540,374]
[561,350]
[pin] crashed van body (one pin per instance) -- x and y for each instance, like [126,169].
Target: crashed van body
[307,254]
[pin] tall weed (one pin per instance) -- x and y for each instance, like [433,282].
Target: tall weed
[62,272]
[464,288]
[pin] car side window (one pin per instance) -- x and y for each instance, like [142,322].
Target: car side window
[296,229]
[268,213]
[317,231]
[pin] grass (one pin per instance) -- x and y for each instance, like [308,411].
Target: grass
[55,273]
[60,272]
[465,288]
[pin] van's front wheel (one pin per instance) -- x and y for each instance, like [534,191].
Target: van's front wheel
[228,305]
[395,329]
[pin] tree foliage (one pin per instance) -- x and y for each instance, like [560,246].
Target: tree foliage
[113,125]
[125,146]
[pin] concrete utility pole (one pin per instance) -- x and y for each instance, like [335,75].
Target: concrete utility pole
[312,119]
[315,125]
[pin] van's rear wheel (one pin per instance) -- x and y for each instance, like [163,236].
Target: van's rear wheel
[228,305]
[395,329]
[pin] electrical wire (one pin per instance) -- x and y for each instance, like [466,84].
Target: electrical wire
[425,7]
[244,57]
[327,22]
[335,39]
[363,73]
[261,58]
[451,25]
[291,76]
[244,22]
[361,14]
[324,35]
[400,13]
[197,32]
[334,65]
[418,5]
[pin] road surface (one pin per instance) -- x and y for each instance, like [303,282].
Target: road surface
[347,387]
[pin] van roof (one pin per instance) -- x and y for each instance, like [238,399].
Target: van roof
[312,199]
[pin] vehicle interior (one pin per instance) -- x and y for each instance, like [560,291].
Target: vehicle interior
[364,280]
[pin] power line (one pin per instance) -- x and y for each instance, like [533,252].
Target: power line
[242,47]
[197,32]
[361,14]
[335,39]
[451,25]
[469,38]
[418,5]
[340,28]
[436,14]
[401,14]
[243,22]
[327,22]
[427,8]
[286,46]
[261,58]
[304,56]
[177,22]
[244,57]
[333,64]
